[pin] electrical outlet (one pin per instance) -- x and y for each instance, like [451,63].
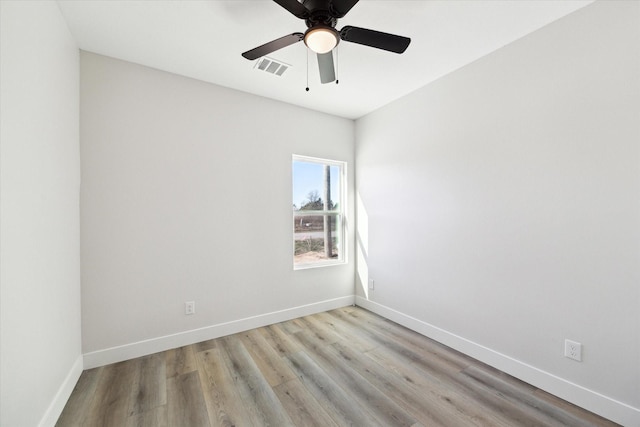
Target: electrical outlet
[190,307]
[371,284]
[573,350]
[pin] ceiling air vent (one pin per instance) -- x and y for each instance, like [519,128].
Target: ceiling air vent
[271,66]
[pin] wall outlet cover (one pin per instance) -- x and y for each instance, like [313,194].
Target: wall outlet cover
[189,307]
[573,350]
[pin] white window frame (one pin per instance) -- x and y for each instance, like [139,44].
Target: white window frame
[339,215]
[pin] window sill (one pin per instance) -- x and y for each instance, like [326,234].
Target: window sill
[310,265]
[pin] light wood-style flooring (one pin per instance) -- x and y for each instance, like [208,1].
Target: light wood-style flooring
[346,367]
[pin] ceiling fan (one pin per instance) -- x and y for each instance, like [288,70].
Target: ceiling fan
[321,17]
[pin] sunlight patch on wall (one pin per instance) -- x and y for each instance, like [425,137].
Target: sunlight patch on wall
[362,245]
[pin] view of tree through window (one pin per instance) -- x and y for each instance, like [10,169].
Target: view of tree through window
[317,211]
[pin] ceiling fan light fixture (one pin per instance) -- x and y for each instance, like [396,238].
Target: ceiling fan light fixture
[321,39]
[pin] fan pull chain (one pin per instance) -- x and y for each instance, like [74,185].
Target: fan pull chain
[307,89]
[337,65]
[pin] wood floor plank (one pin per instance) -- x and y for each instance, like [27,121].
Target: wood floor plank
[77,407]
[180,361]
[395,331]
[114,394]
[205,345]
[150,389]
[186,405]
[292,326]
[370,398]
[521,396]
[434,359]
[490,398]
[385,331]
[340,368]
[322,332]
[156,417]
[425,406]
[456,405]
[357,340]
[302,407]
[224,404]
[270,363]
[440,375]
[439,351]
[279,339]
[585,417]
[253,388]
[339,404]
[314,339]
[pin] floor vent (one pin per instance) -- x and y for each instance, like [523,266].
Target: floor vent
[271,66]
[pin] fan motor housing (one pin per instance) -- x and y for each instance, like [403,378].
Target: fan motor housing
[320,12]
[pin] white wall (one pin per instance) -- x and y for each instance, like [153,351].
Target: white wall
[500,209]
[186,196]
[39,213]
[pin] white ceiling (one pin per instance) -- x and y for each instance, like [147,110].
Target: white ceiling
[204,40]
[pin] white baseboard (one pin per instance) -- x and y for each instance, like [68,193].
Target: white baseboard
[57,405]
[154,345]
[595,402]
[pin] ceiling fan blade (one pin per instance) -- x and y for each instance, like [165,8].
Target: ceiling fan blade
[327,70]
[295,7]
[341,7]
[272,46]
[377,39]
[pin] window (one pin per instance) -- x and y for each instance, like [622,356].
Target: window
[318,212]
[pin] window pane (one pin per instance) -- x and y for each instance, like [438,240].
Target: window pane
[309,186]
[310,235]
[317,212]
